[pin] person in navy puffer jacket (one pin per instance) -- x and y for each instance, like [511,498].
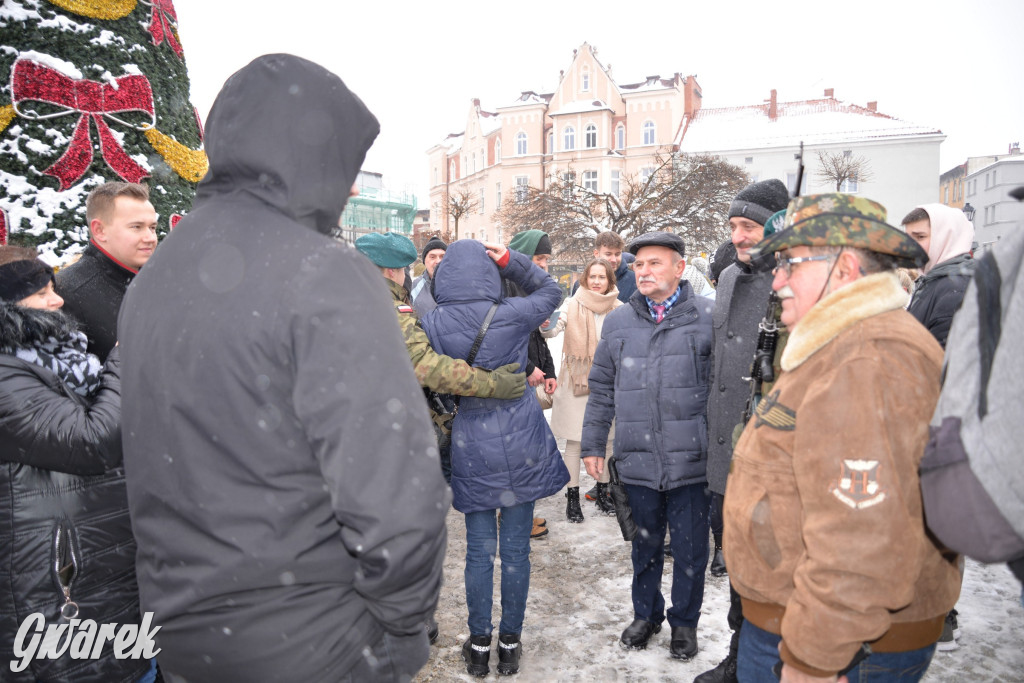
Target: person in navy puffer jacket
[503,453]
[650,373]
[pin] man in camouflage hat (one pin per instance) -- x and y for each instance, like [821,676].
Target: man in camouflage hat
[825,537]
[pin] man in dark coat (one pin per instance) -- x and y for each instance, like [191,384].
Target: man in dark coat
[422,291]
[650,374]
[122,237]
[947,235]
[740,305]
[272,421]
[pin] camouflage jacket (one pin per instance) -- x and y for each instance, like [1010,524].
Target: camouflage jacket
[440,373]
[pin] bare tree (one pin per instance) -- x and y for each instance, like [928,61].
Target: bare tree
[458,204]
[685,194]
[837,168]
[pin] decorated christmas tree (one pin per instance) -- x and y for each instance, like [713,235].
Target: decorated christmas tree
[94,90]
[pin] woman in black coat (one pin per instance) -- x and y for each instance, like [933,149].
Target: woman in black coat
[66,545]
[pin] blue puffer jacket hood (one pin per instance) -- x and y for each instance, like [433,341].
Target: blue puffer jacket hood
[503,453]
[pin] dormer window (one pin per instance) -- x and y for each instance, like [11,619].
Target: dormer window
[585,80]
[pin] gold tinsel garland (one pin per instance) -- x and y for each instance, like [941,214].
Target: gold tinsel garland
[7,114]
[98,9]
[190,164]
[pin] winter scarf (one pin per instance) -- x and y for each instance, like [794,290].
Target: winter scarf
[50,340]
[581,334]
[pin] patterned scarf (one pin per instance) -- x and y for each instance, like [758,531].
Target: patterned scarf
[48,339]
[581,334]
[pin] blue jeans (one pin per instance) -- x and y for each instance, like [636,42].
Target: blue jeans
[482,543]
[759,652]
[685,512]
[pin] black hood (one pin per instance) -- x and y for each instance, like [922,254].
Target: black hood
[24,328]
[289,132]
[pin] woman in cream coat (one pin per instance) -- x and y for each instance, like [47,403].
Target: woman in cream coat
[581,317]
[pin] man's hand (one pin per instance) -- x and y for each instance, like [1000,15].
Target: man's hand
[791,674]
[550,385]
[536,377]
[509,383]
[495,251]
[594,465]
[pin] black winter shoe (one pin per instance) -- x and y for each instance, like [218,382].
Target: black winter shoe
[477,653]
[684,642]
[509,649]
[432,629]
[718,563]
[592,494]
[725,672]
[573,513]
[638,634]
[604,500]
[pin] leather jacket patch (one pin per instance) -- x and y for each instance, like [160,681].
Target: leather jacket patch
[772,413]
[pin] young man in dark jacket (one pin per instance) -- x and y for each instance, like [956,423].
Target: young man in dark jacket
[122,237]
[947,235]
[272,419]
[650,374]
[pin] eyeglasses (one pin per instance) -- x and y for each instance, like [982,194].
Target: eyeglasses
[786,264]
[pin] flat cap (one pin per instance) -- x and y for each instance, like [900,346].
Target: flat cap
[842,220]
[657,239]
[387,249]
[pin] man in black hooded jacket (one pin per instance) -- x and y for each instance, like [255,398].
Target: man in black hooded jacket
[272,420]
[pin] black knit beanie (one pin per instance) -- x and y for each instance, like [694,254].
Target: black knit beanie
[432,244]
[543,246]
[22,278]
[724,257]
[758,201]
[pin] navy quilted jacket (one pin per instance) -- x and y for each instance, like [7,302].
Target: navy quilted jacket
[503,453]
[653,379]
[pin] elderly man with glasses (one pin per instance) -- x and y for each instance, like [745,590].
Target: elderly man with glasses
[825,538]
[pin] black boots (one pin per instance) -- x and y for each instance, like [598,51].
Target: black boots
[638,634]
[604,500]
[509,649]
[477,653]
[725,672]
[684,642]
[718,562]
[573,513]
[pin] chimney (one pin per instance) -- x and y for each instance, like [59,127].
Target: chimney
[1014,148]
[476,102]
[773,106]
[830,92]
[872,106]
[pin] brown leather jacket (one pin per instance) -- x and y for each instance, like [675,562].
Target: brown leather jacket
[824,532]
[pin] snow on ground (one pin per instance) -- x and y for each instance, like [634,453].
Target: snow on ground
[580,602]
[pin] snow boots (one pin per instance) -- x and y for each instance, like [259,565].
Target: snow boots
[509,649]
[718,562]
[477,653]
[604,500]
[573,513]
[725,672]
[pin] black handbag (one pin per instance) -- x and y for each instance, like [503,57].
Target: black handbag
[623,514]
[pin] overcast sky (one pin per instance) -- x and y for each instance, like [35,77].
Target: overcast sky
[949,64]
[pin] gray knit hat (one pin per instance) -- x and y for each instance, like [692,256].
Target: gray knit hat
[758,201]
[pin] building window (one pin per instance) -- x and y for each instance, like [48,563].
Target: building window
[522,185]
[497,151]
[590,137]
[497,196]
[585,80]
[435,175]
[648,132]
[569,138]
[483,235]
[748,160]
[620,137]
[645,173]
[481,202]
[451,173]
[551,142]
[849,186]
[569,184]
[945,194]
[590,180]
[520,143]
[615,182]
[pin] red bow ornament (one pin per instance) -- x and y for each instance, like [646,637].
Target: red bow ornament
[162,24]
[35,82]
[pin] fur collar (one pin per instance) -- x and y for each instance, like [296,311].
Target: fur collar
[868,296]
[23,328]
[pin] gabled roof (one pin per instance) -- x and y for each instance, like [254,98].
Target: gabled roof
[489,122]
[821,121]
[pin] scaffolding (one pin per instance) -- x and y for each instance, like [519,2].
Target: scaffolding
[376,209]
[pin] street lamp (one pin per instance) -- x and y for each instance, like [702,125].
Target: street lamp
[969,211]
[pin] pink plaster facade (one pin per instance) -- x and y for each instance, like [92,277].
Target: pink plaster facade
[600,130]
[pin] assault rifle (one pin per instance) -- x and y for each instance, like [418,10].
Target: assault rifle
[763,369]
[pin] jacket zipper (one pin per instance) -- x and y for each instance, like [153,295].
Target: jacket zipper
[65,567]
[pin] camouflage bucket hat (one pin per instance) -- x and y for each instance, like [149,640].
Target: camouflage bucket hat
[842,220]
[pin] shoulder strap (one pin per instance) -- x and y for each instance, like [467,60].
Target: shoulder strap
[480,335]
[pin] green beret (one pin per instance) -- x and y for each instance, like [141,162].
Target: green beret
[775,223]
[842,220]
[387,249]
